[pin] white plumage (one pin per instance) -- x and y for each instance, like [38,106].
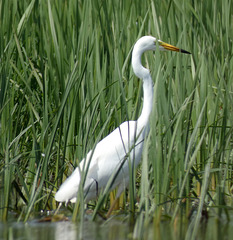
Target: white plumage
[124,144]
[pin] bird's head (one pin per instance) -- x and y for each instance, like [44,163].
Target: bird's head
[147,43]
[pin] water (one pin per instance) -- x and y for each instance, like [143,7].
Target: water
[35,230]
[60,231]
[115,228]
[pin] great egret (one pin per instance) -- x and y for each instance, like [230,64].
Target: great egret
[113,153]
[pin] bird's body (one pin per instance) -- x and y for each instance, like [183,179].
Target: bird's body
[101,167]
[124,144]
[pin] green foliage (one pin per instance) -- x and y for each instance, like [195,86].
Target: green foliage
[66,82]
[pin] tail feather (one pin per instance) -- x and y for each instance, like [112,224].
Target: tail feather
[69,189]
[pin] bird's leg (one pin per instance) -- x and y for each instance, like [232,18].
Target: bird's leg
[116,203]
[112,198]
[58,208]
[97,189]
[112,207]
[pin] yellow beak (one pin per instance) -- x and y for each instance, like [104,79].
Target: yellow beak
[172,48]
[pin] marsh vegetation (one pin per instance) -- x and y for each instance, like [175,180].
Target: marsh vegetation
[66,82]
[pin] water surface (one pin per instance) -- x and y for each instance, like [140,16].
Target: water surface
[117,227]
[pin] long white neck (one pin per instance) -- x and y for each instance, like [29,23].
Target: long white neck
[144,74]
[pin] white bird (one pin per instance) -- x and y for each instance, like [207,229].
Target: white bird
[113,153]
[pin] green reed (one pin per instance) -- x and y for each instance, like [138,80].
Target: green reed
[66,82]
